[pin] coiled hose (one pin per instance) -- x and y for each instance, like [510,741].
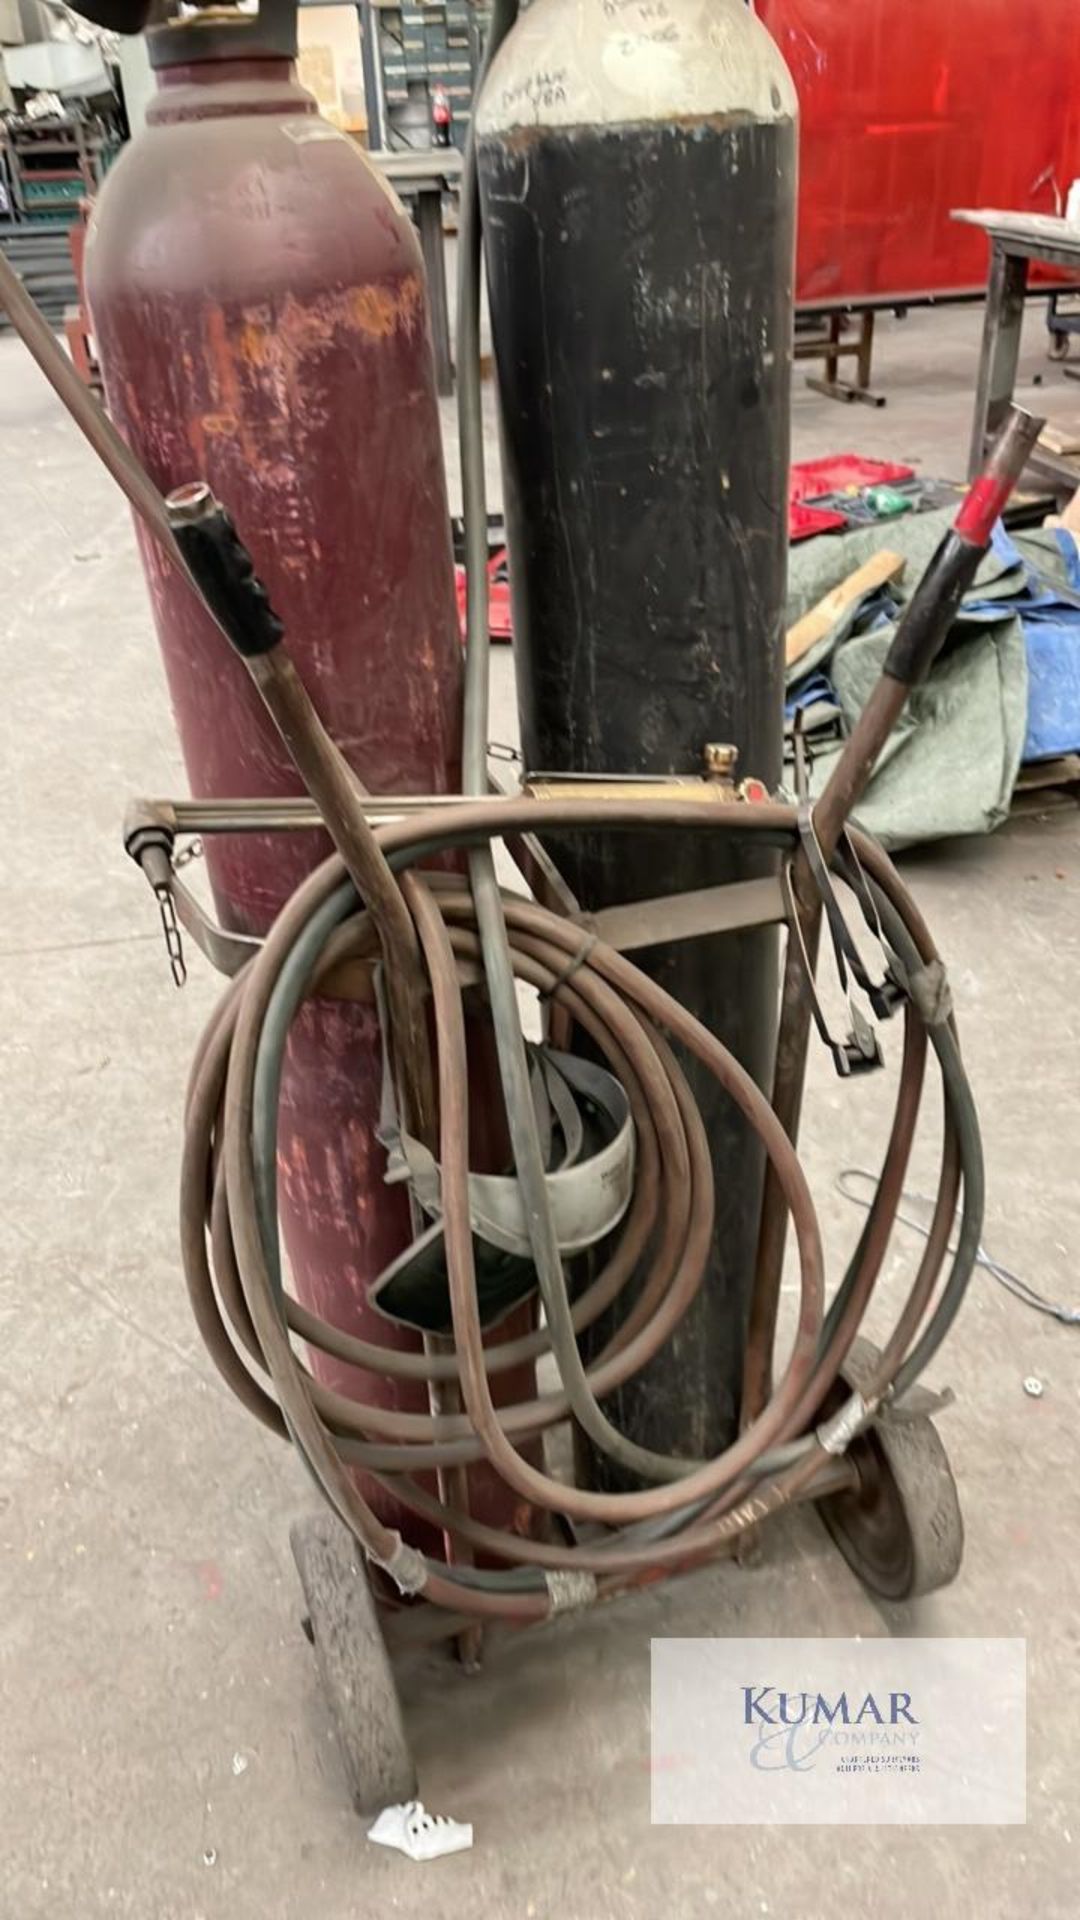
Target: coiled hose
[690,1508]
[369,900]
[232,1256]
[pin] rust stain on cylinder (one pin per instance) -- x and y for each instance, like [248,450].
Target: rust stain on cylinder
[377,310]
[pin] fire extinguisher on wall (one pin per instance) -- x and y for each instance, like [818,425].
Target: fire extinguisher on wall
[440,116]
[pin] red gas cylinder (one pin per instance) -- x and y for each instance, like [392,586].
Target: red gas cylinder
[259,307]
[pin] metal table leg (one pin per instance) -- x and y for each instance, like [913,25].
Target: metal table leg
[1000,353]
[833,348]
[865,357]
[832,360]
[429,222]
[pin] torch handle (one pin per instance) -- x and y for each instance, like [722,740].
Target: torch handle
[927,618]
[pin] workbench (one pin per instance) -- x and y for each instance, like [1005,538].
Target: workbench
[1016,240]
[422,177]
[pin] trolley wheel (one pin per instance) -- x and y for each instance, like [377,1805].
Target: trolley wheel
[1058,345]
[900,1528]
[354,1666]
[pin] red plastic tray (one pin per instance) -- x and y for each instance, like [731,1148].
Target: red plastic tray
[804,522]
[811,478]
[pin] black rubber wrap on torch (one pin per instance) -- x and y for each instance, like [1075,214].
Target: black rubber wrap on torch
[222,569]
[932,609]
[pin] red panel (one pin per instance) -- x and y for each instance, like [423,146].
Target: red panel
[911,108]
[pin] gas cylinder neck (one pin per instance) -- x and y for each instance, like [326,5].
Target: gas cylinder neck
[206,89]
[216,31]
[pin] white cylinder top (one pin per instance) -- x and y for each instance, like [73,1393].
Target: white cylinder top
[573,63]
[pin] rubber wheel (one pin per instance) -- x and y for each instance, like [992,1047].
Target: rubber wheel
[900,1529]
[1058,348]
[354,1666]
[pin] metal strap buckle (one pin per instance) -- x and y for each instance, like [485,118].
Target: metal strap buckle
[885,995]
[861,1051]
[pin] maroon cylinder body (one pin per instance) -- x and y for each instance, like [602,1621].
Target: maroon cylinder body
[258,302]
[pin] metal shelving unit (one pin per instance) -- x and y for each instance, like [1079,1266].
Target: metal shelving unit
[40,253]
[47,168]
[53,163]
[421,45]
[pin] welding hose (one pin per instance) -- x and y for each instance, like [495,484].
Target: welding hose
[696,1503]
[701,1507]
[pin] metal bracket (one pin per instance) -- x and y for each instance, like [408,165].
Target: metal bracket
[151,846]
[152,828]
[884,995]
[715,785]
[151,849]
[688,916]
[861,1051]
[918,1403]
[226,951]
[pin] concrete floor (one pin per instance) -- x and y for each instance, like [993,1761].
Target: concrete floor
[165,1751]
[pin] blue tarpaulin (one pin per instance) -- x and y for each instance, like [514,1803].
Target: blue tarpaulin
[1006,687]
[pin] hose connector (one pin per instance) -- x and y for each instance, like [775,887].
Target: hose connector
[836,1434]
[405,1567]
[569,1591]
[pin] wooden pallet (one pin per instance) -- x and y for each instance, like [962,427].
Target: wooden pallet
[1047,785]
